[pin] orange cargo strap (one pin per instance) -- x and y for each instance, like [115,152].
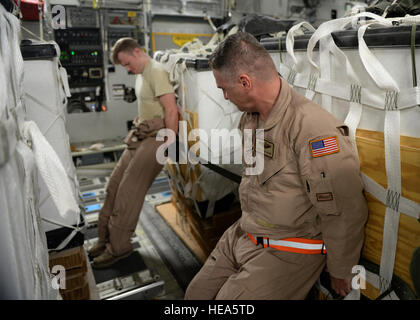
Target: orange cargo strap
[298,245]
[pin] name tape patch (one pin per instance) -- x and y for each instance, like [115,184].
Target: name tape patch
[326,196]
[323,147]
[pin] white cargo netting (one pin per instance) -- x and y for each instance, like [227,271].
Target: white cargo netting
[368,89]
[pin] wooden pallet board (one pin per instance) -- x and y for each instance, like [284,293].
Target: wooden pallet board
[372,161]
[169,214]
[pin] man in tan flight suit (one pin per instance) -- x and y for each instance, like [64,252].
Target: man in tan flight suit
[305,211]
[137,167]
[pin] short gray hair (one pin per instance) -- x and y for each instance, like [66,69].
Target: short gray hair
[241,52]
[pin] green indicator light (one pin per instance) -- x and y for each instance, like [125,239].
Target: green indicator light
[72,53]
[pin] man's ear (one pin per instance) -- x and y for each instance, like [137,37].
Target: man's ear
[245,81]
[137,51]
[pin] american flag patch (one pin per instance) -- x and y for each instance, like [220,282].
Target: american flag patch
[325,146]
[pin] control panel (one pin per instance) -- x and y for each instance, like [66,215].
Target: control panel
[82,17]
[82,56]
[85,43]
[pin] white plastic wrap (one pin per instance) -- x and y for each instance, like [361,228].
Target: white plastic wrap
[52,172]
[24,268]
[45,103]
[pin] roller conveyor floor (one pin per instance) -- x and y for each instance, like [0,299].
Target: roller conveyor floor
[160,267]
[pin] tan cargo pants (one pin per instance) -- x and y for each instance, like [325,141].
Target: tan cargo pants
[238,269]
[127,187]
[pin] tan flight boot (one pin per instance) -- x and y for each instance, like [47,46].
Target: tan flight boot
[106,259]
[97,249]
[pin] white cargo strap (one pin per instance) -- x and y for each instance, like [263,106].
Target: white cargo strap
[330,88]
[48,109]
[210,198]
[404,205]
[290,41]
[372,278]
[62,72]
[392,158]
[410,20]
[370,97]
[408,98]
[375,281]
[297,65]
[71,235]
[327,46]
[64,80]
[354,115]
[176,71]
[328,27]
[325,64]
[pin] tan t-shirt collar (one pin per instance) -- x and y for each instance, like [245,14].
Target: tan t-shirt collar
[147,66]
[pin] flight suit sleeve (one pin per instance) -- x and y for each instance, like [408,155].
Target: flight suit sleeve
[334,187]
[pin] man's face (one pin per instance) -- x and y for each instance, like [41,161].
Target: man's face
[233,90]
[131,61]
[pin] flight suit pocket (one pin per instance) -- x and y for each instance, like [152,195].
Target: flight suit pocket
[321,195]
[272,168]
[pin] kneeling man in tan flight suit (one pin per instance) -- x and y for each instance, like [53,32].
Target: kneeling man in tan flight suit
[137,168]
[305,210]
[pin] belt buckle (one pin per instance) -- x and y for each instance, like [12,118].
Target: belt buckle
[260,240]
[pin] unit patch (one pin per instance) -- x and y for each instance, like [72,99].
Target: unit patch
[323,147]
[326,196]
[268,149]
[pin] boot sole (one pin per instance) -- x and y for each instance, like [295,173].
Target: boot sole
[96,254]
[110,263]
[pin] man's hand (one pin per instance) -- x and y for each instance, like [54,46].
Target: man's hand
[341,286]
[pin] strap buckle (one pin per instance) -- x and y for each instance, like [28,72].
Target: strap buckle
[323,249]
[260,240]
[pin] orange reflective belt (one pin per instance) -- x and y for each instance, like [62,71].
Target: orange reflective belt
[298,245]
